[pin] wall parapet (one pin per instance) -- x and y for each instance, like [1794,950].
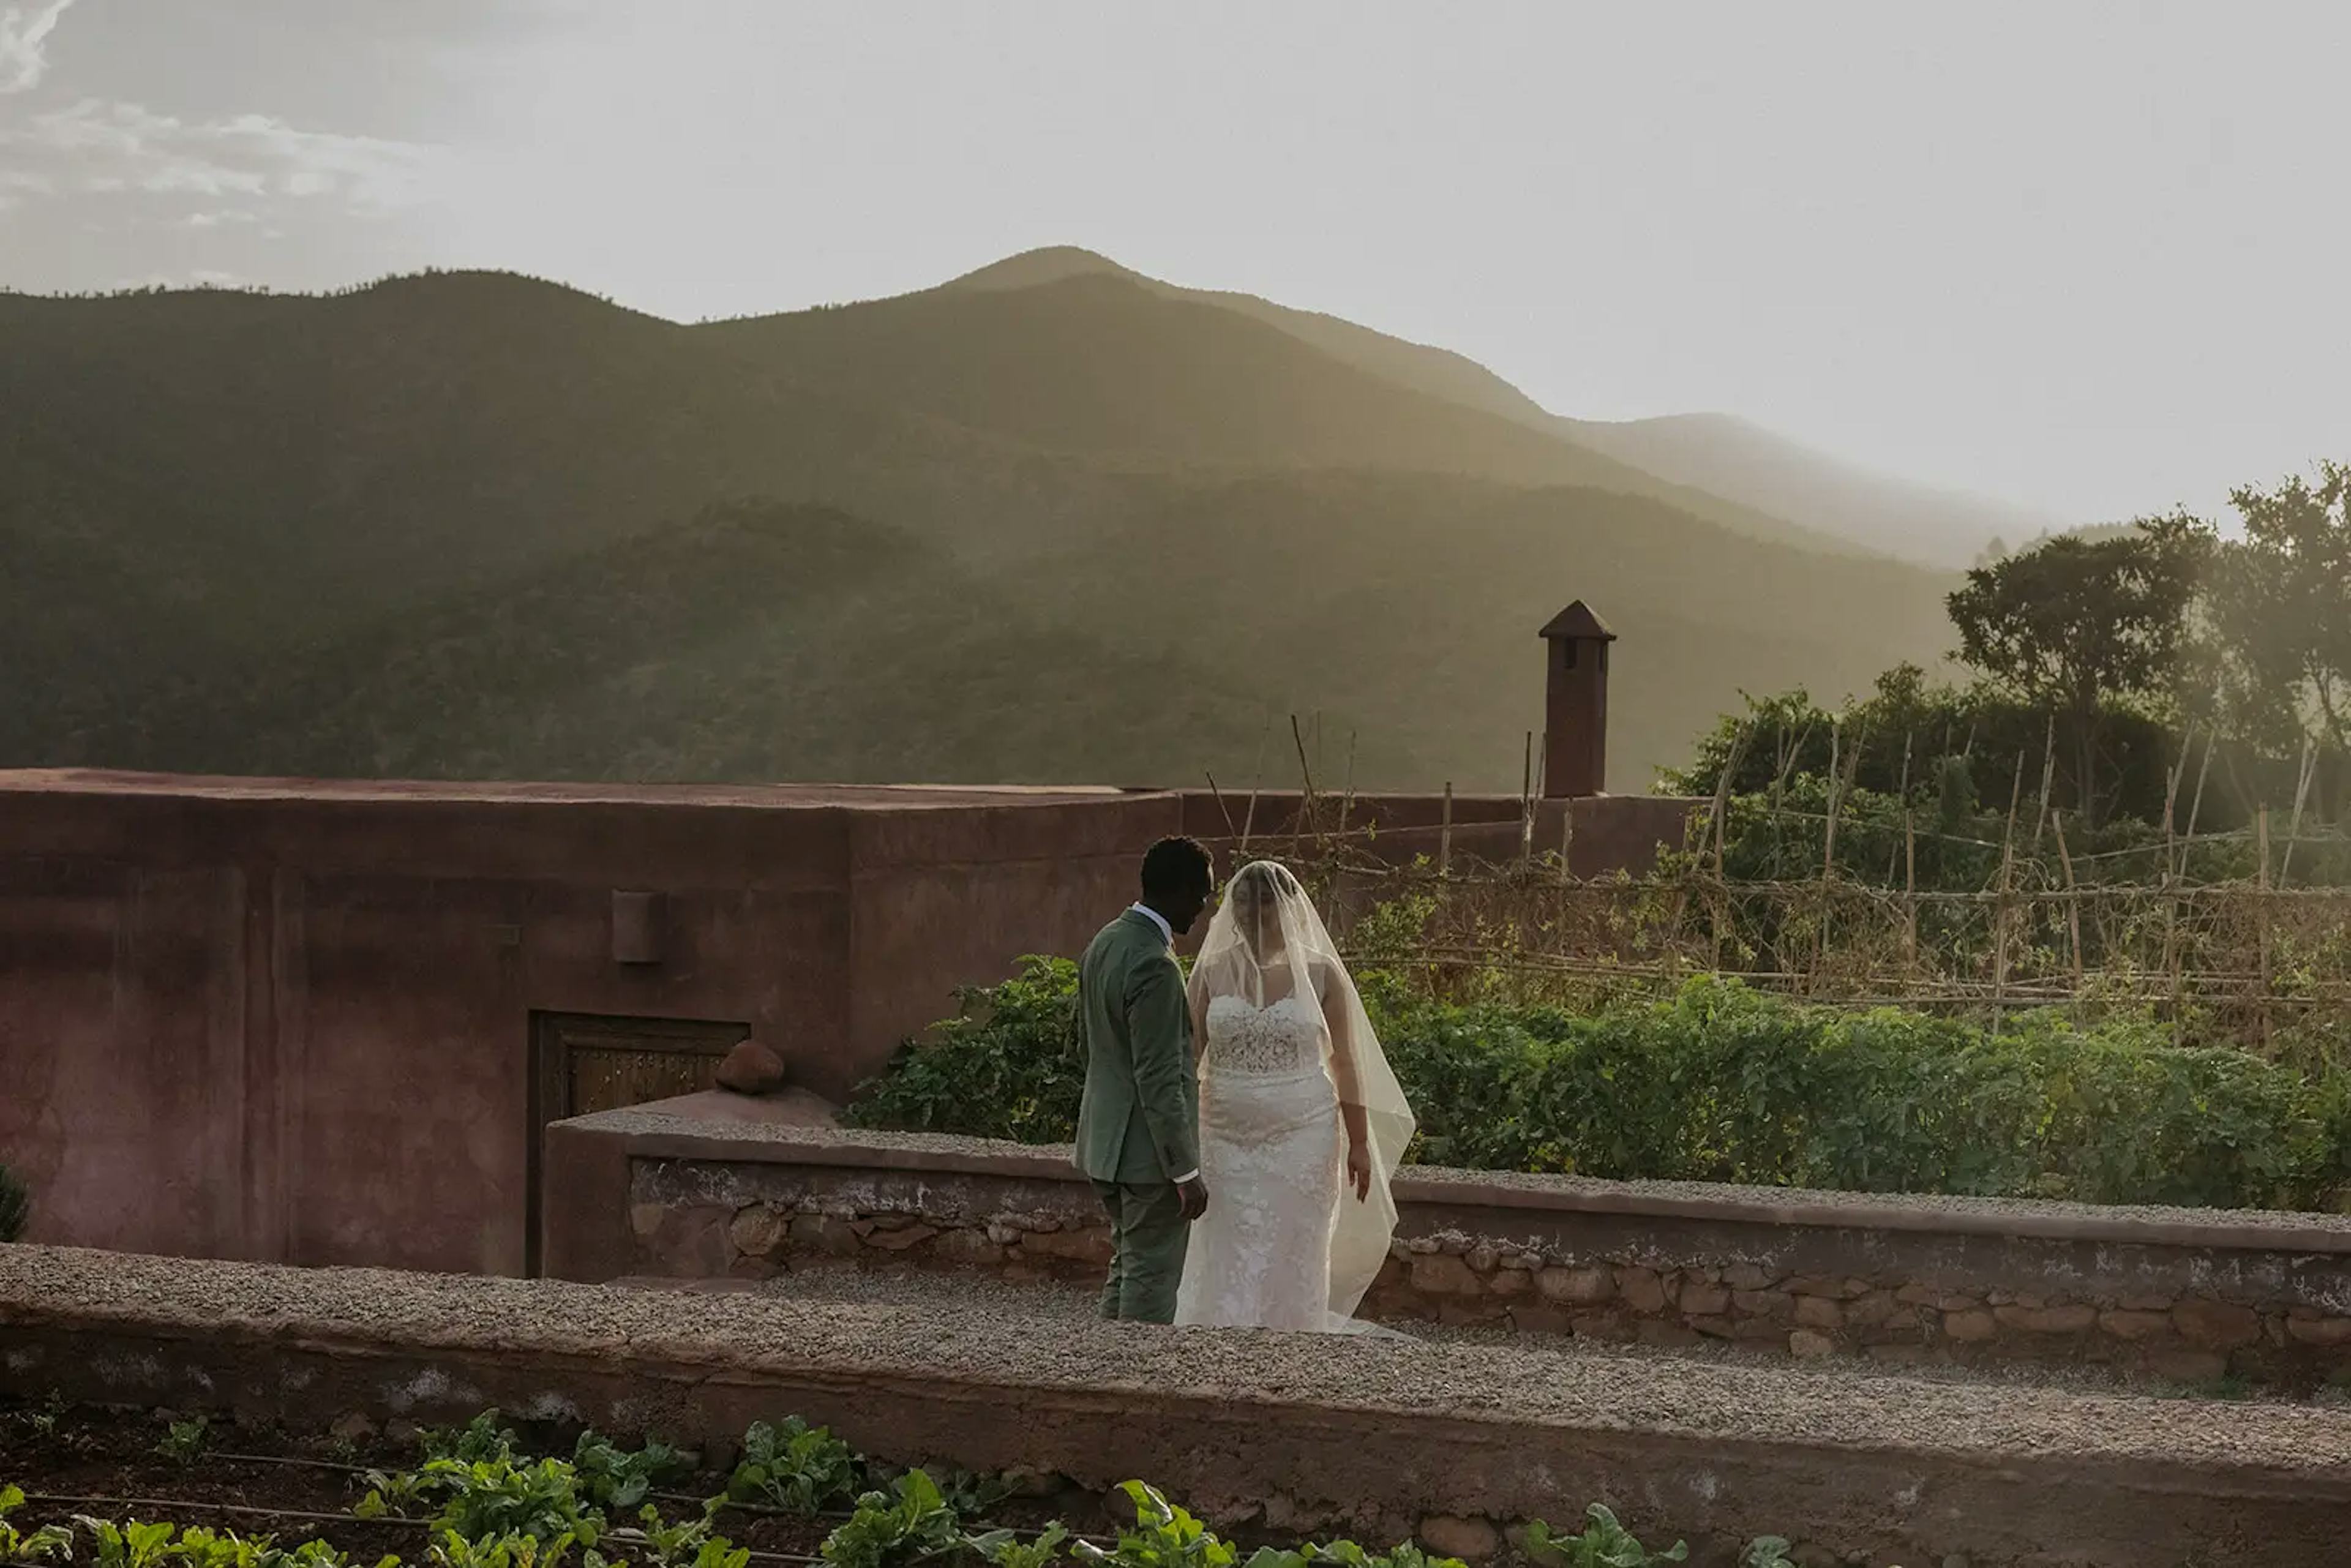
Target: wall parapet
[2182,1294]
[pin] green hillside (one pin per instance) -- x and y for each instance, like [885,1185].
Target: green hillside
[1104,366]
[476,524]
[1717,456]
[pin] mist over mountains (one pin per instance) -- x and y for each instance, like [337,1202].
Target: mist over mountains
[1051,521]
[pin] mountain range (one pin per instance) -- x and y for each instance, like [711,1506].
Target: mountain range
[1050,521]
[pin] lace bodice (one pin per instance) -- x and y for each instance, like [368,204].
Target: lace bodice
[1286,1037]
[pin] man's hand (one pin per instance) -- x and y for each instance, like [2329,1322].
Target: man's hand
[1359,1170]
[1194,1196]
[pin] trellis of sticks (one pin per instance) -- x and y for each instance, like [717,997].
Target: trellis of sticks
[2248,961]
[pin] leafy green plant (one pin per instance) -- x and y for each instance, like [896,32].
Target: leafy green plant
[184,1441]
[1005,1549]
[479,1438]
[1347,1554]
[1602,1544]
[888,1530]
[620,1478]
[1163,1536]
[318,1554]
[1010,1063]
[491,1498]
[199,1547]
[128,1544]
[29,1546]
[452,1549]
[41,1419]
[687,1543]
[1767,1552]
[792,1465]
[396,1494]
[972,1494]
[16,1205]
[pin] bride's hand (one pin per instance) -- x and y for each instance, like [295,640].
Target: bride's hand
[1359,1171]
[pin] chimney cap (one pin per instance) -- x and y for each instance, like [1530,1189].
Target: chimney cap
[1577,623]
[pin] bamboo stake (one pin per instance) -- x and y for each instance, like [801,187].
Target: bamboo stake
[1902,793]
[1526,803]
[2261,927]
[1721,809]
[2196,805]
[2171,906]
[2000,910]
[2048,775]
[1248,822]
[1715,898]
[1909,890]
[1347,801]
[2301,792]
[2073,903]
[1566,840]
[1836,779]
[1445,835]
[1306,801]
[1223,810]
[1839,786]
[2187,844]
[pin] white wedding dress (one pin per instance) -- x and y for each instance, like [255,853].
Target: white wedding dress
[1284,1244]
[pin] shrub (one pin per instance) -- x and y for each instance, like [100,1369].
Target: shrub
[1010,1063]
[1722,1083]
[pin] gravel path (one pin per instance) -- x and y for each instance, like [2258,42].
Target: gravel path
[973,1336]
[1048,1305]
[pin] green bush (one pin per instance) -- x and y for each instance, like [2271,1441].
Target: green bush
[16,1205]
[1009,1064]
[1723,1084]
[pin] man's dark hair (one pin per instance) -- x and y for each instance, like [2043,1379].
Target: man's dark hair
[1173,867]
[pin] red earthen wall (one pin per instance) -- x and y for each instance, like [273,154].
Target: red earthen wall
[291,1021]
[294,1024]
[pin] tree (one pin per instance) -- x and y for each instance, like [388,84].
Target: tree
[2075,622]
[2281,603]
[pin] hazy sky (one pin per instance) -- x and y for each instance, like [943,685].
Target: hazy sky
[2087,256]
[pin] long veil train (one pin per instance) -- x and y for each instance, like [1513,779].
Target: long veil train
[1242,956]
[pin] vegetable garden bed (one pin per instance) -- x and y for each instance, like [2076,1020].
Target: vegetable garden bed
[143,1490]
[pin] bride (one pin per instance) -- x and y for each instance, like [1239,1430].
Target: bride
[1302,1122]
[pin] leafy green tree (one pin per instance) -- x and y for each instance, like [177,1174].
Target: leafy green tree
[2281,606]
[2077,623]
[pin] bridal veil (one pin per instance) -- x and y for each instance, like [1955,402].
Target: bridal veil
[1266,942]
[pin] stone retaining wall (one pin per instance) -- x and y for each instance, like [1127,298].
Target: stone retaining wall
[2179,1295]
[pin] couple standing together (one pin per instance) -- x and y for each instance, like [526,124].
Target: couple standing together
[1247,1180]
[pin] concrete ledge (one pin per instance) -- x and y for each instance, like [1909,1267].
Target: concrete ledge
[2171,1295]
[659,1135]
[1303,1431]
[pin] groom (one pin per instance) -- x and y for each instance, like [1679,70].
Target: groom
[1138,1126]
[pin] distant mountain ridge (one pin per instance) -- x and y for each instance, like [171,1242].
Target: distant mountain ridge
[1730,458]
[1080,529]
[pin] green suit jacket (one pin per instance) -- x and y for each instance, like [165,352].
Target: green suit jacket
[1140,1119]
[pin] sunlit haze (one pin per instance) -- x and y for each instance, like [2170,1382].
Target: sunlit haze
[2085,258]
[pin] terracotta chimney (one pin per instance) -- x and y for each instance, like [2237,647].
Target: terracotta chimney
[1576,706]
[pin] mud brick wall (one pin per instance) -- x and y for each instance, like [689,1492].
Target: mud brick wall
[2177,1295]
